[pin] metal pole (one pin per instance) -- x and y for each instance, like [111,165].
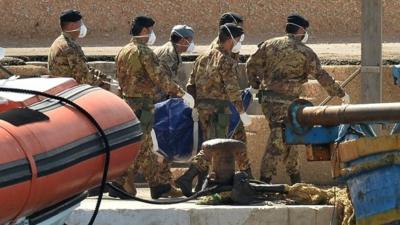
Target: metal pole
[371,51]
[342,85]
[347,114]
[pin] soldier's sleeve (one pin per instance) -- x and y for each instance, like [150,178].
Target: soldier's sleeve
[100,79]
[230,78]
[327,81]
[84,74]
[150,63]
[79,67]
[191,85]
[166,63]
[255,67]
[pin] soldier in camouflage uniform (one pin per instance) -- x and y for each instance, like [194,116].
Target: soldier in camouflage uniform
[169,55]
[66,58]
[139,74]
[214,81]
[181,40]
[229,17]
[279,68]
[242,160]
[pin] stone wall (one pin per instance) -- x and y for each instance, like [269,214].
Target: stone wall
[35,23]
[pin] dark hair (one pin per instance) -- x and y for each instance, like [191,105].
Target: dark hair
[63,24]
[291,29]
[136,29]
[175,38]
[69,16]
[299,20]
[225,34]
[139,23]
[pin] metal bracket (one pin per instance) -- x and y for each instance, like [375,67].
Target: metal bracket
[370,69]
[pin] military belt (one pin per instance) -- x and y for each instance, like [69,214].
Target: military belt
[271,96]
[220,104]
[146,102]
[220,119]
[143,107]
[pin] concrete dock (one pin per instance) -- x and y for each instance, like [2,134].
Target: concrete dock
[124,212]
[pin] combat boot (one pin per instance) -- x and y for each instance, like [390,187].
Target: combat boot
[173,193]
[158,191]
[266,179]
[201,178]
[249,174]
[96,191]
[115,194]
[295,178]
[185,181]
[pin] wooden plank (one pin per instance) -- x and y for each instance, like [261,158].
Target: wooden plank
[351,150]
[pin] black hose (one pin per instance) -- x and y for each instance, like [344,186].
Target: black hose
[94,122]
[206,191]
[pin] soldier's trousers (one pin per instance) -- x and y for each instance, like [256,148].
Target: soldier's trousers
[202,161]
[275,113]
[155,173]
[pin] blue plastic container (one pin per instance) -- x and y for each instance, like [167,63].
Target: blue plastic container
[376,193]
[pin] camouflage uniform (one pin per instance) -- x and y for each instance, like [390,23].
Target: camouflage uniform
[215,43]
[66,59]
[243,162]
[139,74]
[215,81]
[170,61]
[280,66]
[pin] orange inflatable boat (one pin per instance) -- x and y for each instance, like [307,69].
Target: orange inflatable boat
[47,160]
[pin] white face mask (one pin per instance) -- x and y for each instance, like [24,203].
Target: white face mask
[152,38]
[82,31]
[238,44]
[236,48]
[191,47]
[2,53]
[306,36]
[241,38]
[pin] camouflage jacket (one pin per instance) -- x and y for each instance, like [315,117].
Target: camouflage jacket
[283,64]
[215,77]
[215,44]
[139,72]
[170,61]
[66,59]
